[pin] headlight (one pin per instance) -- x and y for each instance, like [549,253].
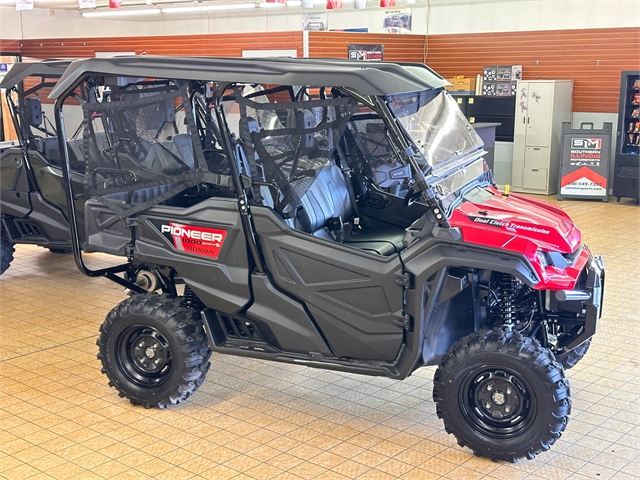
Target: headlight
[543,257]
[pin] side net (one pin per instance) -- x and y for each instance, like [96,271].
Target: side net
[367,143]
[289,143]
[141,148]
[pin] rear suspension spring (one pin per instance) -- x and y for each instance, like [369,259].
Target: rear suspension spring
[191,300]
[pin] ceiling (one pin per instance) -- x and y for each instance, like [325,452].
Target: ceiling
[73,4]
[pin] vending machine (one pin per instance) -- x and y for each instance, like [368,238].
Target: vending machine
[627,162]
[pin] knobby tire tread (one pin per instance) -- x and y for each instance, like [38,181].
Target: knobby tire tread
[6,252]
[187,331]
[530,352]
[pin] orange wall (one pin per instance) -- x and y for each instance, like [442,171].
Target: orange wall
[221,45]
[592,58]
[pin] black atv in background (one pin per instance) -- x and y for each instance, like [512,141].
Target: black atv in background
[32,200]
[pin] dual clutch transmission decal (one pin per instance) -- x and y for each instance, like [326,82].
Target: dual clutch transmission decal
[202,241]
[510,226]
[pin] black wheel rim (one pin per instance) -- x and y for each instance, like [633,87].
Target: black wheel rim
[497,402]
[144,356]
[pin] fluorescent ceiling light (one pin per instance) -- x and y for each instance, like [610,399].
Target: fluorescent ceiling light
[322,2]
[206,8]
[294,3]
[271,5]
[121,13]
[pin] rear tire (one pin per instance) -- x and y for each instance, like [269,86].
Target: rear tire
[502,395]
[153,351]
[6,251]
[572,357]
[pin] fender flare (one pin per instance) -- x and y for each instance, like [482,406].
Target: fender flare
[433,259]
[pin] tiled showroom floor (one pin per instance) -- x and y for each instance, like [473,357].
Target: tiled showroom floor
[254,419]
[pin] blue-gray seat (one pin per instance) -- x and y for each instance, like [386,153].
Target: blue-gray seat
[51,151]
[328,202]
[168,159]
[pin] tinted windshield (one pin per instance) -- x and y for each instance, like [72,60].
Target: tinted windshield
[437,127]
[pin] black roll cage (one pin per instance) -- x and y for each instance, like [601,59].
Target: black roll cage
[19,122]
[374,102]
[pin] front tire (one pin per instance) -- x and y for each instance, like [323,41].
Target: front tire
[6,251]
[502,395]
[153,351]
[572,357]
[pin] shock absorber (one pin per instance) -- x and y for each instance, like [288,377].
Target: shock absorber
[191,300]
[506,288]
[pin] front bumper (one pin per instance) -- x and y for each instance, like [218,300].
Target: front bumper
[592,292]
[595,286]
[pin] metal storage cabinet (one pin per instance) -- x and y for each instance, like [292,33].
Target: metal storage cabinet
[541,107]
[626,177]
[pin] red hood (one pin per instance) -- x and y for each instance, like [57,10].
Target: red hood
[516,223]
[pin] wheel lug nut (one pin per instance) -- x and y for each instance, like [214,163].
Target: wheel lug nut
[157,361]
[487,405]
[141,344]
[489,387]
[508,391]
[507,409]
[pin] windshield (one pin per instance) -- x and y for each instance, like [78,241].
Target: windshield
[437,127]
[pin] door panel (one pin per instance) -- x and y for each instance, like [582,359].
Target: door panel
[14,185]
[352,295]
[11,166]
[539,114]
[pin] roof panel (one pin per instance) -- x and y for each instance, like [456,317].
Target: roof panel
[367,78]
[20,71]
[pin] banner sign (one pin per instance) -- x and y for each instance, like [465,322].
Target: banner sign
[87,3]
[366,53]
[397,20]
[24,5]
[585,162]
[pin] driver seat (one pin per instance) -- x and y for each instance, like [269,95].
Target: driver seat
[327,210]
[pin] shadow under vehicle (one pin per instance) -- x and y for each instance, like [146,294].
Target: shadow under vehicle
[325,213]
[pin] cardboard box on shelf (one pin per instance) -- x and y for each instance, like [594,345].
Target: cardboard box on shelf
[462,84]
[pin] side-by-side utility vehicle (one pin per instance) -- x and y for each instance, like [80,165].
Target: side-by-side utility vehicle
[32,199]
[325,213]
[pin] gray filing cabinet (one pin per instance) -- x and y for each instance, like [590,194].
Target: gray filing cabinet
[541,107]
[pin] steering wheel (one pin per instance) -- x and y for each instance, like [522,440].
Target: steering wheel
[411,197]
